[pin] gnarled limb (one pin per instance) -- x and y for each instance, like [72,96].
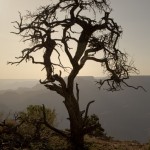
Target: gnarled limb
[51,127]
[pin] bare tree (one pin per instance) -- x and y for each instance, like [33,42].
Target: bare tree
[81,31]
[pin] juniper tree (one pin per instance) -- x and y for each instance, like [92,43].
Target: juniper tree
[78,31]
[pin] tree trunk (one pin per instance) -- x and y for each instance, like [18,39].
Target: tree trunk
[76,123]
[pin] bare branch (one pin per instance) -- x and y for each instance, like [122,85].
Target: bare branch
[35,62]
[86,112]
[134,87]
[26,54]
[64,41]
[62,133]
[54,87]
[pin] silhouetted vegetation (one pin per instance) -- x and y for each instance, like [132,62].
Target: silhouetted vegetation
[84,31]
[98,131]
[27,129]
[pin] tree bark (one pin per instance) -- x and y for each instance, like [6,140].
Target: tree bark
[76,122]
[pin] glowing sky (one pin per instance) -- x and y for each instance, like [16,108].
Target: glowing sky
[132,15]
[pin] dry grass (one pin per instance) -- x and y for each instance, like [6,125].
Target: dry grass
[99,144]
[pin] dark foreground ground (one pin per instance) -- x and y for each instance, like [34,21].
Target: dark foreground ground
[92,143]
[99,144]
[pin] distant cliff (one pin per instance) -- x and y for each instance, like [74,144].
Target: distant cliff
[124,114]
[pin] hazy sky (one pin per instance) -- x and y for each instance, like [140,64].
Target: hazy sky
[132,15]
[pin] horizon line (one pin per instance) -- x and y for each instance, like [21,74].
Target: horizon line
[66,76]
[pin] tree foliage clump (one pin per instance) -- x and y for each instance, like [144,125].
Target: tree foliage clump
[98,130]
[26,129]
[32,119]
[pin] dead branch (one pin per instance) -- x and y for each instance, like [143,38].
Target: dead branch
[86,112]
[62,133]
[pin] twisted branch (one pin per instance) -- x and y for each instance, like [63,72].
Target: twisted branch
[60,132]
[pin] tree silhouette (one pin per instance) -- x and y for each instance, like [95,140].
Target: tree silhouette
[74,31]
